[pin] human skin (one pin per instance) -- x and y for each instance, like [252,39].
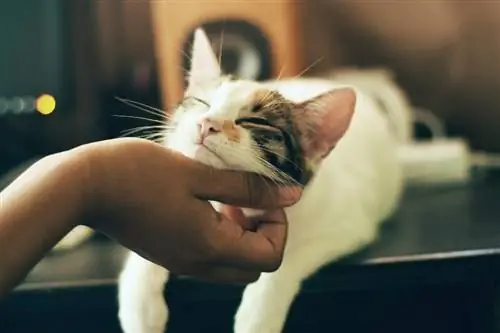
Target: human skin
[149,199]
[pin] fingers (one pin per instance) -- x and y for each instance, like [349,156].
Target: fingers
[236,214]
[241,189]
[261,250]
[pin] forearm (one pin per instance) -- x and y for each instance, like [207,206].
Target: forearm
[36,211]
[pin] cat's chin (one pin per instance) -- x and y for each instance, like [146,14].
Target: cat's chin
[204,155]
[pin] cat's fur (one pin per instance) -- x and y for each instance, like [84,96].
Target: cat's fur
[344,151]
[377,83]
[77,236]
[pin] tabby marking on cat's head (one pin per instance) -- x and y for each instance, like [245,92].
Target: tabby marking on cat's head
[243,125]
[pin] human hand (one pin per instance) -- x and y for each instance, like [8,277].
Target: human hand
[155,202]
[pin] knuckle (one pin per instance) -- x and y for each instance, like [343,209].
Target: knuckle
[253,277]
[273,264]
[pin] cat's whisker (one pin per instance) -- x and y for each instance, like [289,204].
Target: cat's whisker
[314,63]
[143,128]
[156,137]
[127,135]
[220,47]
[139,118]
[152,135]
[141,131]
[182,68]
[151,127]
[256,146]
[278,155]
[242,154]
[280,72]
[281,177]
[274,104]
[266,96]
[278,176]
[283,66]
[263,98]
[187,55]
[144,107]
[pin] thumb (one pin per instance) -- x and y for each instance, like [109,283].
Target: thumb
[242,189]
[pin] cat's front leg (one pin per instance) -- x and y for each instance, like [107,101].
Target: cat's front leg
[142,307]
[265,303]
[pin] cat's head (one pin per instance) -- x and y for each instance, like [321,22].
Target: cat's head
[242,125]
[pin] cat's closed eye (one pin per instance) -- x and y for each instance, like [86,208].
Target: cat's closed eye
[193,99]
[253,120]
[265,127]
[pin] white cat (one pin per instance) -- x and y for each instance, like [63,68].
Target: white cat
[328,130]
[76,237]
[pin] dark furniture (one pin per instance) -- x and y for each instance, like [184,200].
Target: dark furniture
[435,268]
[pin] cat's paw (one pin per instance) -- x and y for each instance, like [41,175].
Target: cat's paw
[74,238]
[245,323]
[242,326]
[144,317]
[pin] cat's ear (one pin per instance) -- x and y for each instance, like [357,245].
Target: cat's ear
[205,69]
[323,120]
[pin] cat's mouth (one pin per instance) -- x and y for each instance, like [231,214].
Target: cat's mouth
[209,150]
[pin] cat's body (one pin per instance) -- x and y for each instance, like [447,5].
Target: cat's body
[348,162]
[356,188]
[356,185]
[377,83]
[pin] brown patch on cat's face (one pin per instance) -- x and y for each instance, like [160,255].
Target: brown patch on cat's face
[230,130]
[269,118]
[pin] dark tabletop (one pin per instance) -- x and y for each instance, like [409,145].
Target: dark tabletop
[455,225]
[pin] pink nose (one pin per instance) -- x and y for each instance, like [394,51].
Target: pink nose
[209,126]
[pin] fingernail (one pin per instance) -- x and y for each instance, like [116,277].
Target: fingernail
[290,195]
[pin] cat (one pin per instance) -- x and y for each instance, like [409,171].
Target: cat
[73,239]
[327,136]
[380,85]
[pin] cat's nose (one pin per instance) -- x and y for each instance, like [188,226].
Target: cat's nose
[209,126]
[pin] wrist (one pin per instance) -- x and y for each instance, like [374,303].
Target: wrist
[68,174]
[38,209]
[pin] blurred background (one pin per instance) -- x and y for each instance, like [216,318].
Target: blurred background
[84,53]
